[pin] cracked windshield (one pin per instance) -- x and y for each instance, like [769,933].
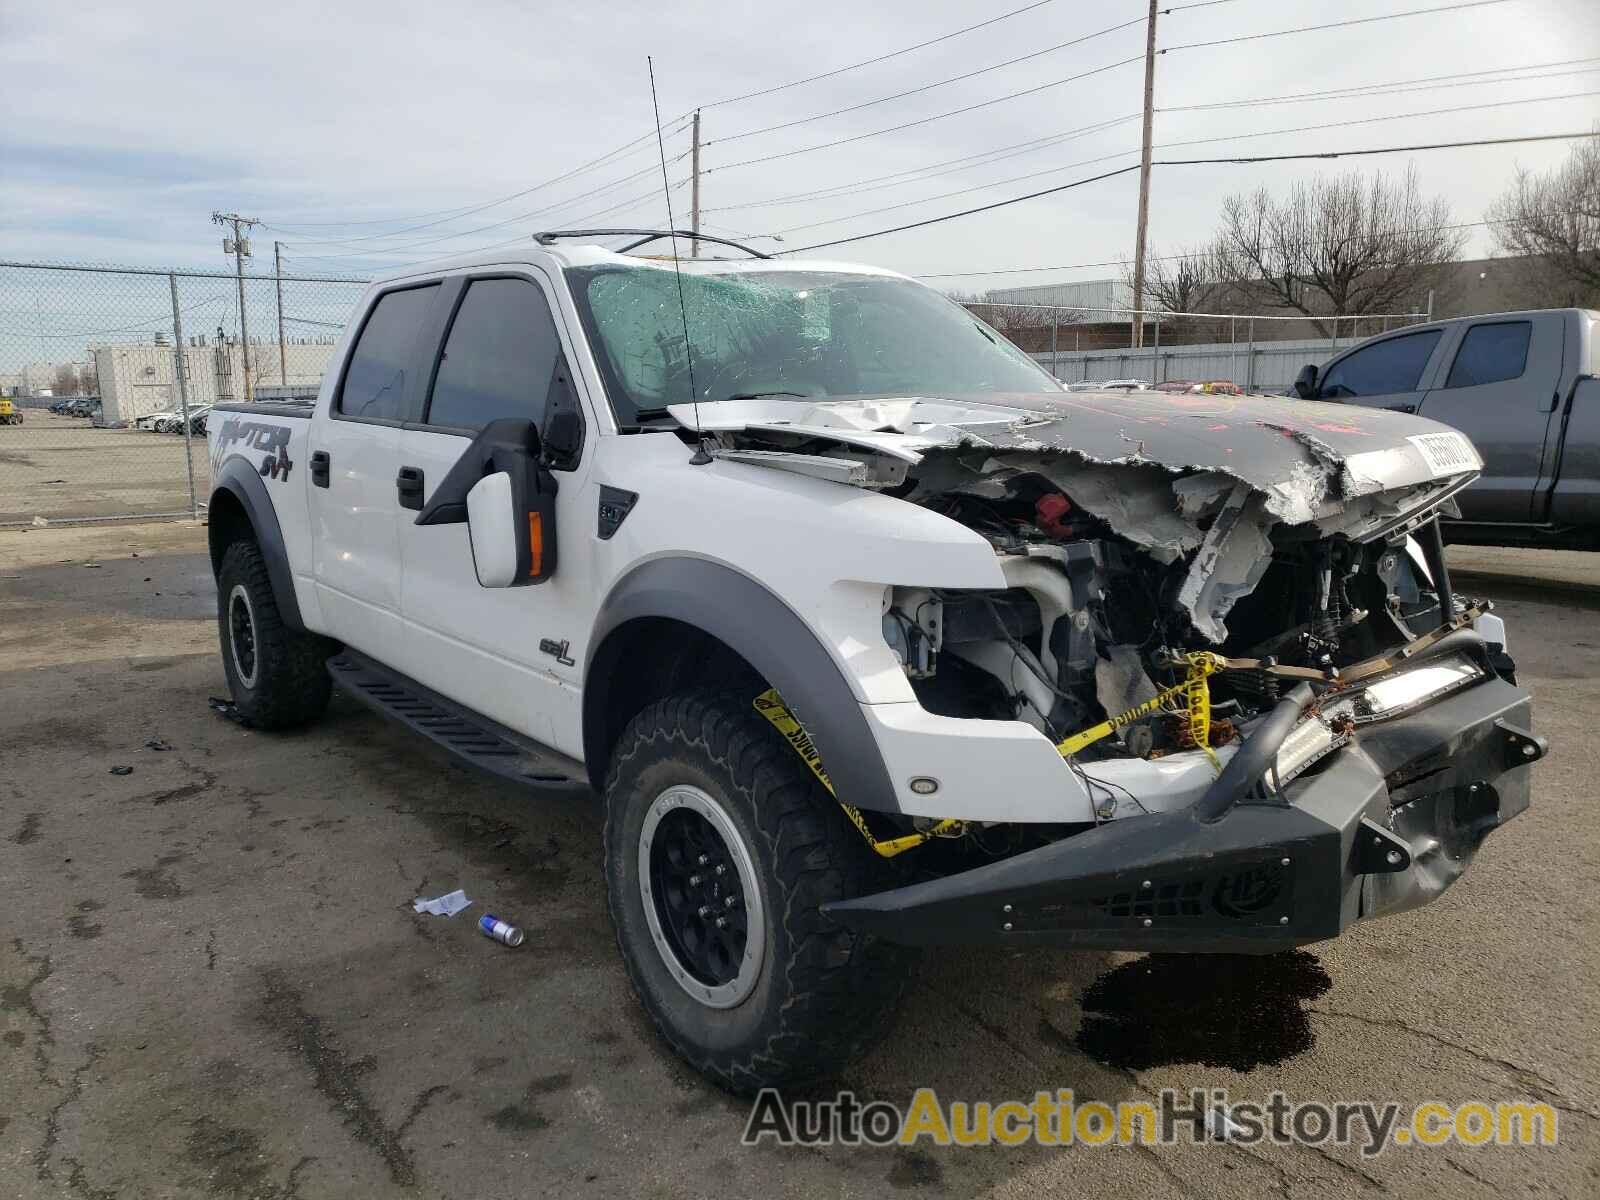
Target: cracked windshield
[800,334]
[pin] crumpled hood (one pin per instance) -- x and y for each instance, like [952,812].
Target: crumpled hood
[1302,456]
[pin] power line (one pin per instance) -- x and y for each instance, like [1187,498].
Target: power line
[1397,86]
[981,187]
[1326,154]
[946,166]
[1122,262]
[401,249]
[928,87]
[1230,137]
[621,151]
[1256,37]
[955,112]
[934,169]
[141,325]
[867,62]
[377,257]
[1077,183]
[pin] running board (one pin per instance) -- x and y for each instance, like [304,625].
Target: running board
[477,740]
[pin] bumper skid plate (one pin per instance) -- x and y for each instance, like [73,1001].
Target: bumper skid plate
[1387,823]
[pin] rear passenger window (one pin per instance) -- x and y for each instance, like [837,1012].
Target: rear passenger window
[499,357]
[1491,353]
[1381,369]
[375,381]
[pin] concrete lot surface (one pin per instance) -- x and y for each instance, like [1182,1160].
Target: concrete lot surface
[60,467]
[212,982]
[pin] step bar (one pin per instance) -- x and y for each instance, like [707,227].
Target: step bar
[474,739]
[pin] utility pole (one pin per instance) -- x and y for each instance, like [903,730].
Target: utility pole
[694,187]
[283,352]
[1144,177]
[239,247]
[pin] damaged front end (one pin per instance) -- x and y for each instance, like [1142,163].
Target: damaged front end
[1281,718]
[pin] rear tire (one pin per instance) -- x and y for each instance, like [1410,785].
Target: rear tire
[277,675]
[700,782]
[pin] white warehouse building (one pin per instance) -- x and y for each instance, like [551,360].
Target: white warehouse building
[139,378]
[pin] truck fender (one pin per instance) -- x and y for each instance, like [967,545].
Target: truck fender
[239,479]
[768,635]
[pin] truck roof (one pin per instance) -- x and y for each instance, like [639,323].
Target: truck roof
[589,255]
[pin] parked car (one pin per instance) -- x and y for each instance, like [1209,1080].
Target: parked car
[83,406]
[10,414]
[152,420]
[830,572]
[173,422]
[60,406]
[1109,385]
[1522,386]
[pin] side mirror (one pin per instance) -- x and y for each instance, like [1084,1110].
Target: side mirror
[492,527]
[507,499]
[1305,383]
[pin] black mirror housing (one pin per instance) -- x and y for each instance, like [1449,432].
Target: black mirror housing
[512,446]
[1305,383]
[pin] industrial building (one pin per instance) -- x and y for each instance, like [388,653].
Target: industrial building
[140,378]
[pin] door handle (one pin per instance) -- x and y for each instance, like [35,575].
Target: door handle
[409,484]
[1405,408]
[320,462]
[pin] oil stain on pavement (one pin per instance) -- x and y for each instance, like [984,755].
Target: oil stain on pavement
[1238,1011]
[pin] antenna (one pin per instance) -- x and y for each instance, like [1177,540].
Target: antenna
[701,457]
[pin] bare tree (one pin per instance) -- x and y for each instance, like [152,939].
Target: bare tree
[1553,221]
[1027,324]
[1338,245]
[65,382]
[1196,280]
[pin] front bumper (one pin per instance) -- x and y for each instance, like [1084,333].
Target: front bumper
[1387,824]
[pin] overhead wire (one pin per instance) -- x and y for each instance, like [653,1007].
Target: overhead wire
[1173,257]
[501,224]
[1256,37]
[930,170]
[928,87]
[867,62]
[948,166]
[1323,154]
[625,149]
[954,112]
[1175,145]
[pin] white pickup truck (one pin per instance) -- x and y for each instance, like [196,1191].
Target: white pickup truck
[868,634]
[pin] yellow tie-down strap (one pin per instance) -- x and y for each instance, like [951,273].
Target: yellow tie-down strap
[1195,691]
[770,705]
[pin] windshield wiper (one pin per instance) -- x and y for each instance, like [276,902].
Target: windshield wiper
[763,395]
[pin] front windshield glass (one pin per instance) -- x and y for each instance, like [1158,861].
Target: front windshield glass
[787,334]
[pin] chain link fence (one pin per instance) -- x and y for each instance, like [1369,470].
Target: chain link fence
[107,376]
[1254,352]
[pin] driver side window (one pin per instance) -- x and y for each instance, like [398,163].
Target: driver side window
[1386,367]
[499,357]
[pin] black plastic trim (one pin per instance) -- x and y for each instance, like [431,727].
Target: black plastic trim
[1265,876]
[469,736]
[239,477]
[270,408]
[768,635]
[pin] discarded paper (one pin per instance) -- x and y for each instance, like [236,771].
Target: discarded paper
[447,905]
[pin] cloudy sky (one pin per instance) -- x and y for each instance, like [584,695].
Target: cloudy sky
[368,135]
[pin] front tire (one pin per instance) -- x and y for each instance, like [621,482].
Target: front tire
[277,675]
[742,974]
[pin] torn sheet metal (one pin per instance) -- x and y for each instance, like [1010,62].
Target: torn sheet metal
[1174,473]
[1231,561]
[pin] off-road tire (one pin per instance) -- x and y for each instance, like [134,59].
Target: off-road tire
[824,994]
[284,681]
